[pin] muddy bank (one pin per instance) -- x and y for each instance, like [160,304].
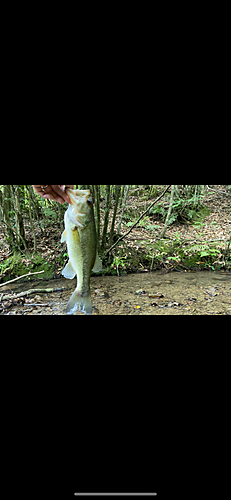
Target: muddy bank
[186,293]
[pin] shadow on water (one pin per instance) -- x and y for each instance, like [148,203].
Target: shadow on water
[136,294]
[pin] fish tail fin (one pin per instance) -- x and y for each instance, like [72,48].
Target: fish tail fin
[79,302]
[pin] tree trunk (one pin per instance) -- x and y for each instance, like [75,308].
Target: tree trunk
[20,233]
[117,197]
[31,219]
[97,211]
[106,217]
[123,207]
[5,215]
[169,211]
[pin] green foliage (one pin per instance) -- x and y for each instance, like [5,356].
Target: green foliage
[118,261]
[159,212]
[50,213]
[202,255]
[183,210]
[15,266]
[152,227]
[28,220]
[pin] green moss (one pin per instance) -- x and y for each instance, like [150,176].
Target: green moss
[18,265]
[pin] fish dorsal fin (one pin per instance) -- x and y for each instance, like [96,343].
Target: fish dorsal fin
[68,271]
[64,236]
[98,264]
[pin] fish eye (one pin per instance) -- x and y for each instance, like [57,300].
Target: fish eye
[89,202]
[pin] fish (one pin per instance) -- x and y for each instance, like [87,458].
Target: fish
[81,239]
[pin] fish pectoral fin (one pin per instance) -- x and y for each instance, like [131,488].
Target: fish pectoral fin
[98,264]
[64,236]
[68,271]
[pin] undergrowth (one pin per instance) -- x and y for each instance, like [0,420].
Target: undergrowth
[171,255]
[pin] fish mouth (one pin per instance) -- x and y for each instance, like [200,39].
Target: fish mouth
[78,195]
[78,198]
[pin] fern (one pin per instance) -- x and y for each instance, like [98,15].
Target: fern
[198,248]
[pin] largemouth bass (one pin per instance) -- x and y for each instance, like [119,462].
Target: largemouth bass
[81,239]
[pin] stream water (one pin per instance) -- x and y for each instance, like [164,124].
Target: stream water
[134,294]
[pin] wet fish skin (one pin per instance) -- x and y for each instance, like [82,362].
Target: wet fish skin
[81,239]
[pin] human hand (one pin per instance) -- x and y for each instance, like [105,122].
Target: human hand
[53,192]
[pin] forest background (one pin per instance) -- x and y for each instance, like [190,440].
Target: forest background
[140,228]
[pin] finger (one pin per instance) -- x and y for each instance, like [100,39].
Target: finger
[52,195]
[54,192]
[38,189]
[61,193]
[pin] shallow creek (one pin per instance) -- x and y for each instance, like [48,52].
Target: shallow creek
[175,293]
